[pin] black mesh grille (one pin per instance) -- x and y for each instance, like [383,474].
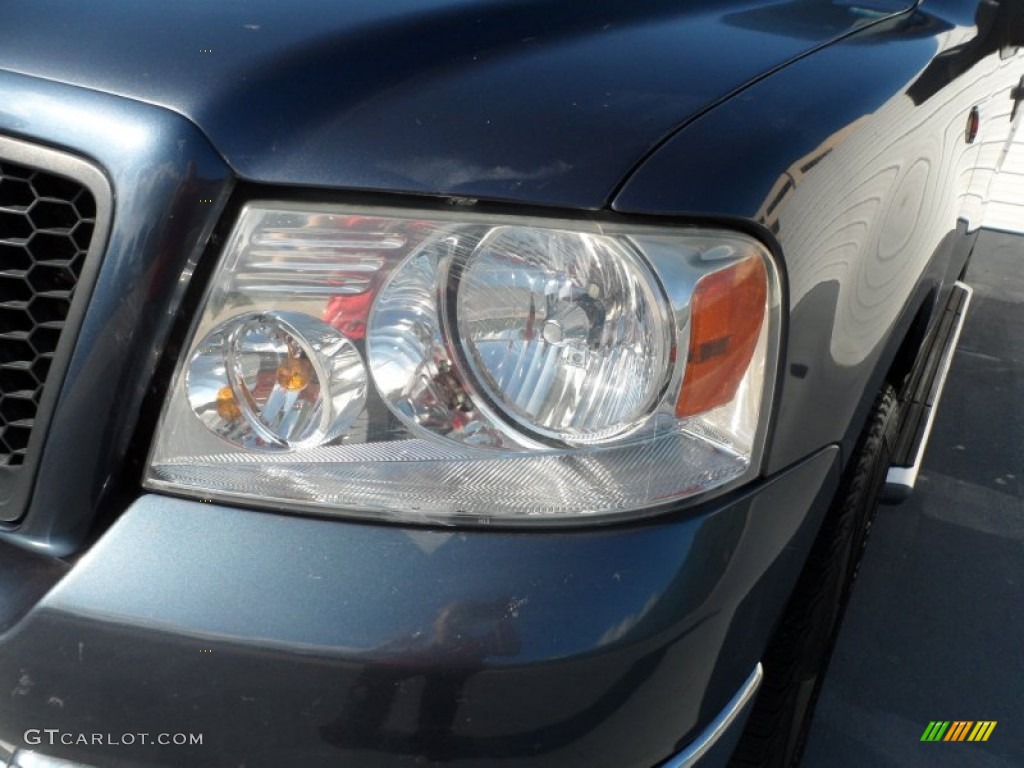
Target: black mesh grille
[46,223]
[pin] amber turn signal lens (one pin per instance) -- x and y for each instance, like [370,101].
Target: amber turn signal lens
[295,374]
[726,315]
[227,406]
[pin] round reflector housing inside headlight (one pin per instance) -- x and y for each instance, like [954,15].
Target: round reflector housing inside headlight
[276,380]
[566,332]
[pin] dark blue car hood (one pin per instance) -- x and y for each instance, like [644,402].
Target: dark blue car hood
[546,101]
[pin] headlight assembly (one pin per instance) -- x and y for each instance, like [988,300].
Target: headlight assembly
[452,366]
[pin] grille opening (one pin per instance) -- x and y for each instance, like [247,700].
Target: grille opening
[14,225]
[13,443]
[15,291]
[46,226]
[17,379]
[56,187]
[18,406]
[13,320]
[49,247]
[53,214]
[13,256]
[15,170]
[16,195]
[41,368]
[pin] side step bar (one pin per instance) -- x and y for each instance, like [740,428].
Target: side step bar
[922,402]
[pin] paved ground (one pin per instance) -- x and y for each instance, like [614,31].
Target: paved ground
[935,627]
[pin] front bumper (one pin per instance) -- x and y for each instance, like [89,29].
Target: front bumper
[288,640]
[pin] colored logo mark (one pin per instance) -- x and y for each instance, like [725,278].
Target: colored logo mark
[958,730]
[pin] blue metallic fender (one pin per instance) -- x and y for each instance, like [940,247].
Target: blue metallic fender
[298,641]
[853,162]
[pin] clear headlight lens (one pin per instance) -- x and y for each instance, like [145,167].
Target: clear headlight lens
[449,366]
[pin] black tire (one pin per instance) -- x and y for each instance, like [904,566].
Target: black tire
[799,651]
